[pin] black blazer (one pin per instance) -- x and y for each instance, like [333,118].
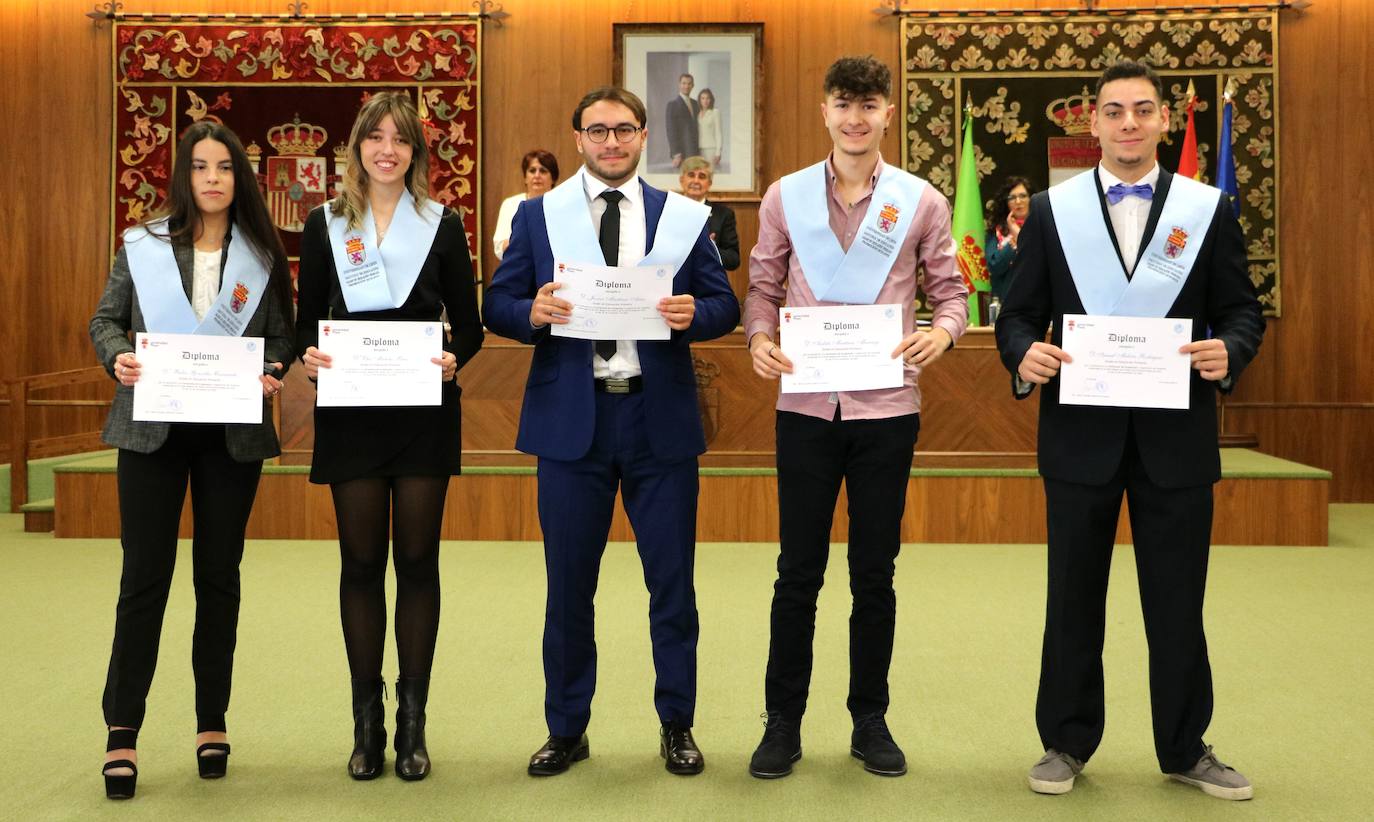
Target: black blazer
[681,123]
[1084,444]
[721,226]
[119,315]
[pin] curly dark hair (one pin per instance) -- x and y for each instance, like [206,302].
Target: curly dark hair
[999,212]
[854,78]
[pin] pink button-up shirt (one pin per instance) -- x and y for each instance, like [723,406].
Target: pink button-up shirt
[775,274]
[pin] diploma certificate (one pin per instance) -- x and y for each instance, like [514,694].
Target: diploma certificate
[613,302]
[198,378]
[1127,362]
[841,347]
[380,363]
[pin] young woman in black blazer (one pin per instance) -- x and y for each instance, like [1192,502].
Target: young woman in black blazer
[167,278]
[388,467]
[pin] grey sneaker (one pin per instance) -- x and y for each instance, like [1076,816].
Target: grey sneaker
[1216,778]
[1054,773]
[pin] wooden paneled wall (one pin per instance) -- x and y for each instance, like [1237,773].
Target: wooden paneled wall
[1310,385]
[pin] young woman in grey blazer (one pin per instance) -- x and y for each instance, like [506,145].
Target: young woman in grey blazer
[167,278]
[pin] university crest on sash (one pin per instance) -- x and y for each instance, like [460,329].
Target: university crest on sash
[239,297]
[1175,242]
[887,217]
[353,246]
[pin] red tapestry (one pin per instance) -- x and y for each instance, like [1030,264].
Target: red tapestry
[291,90]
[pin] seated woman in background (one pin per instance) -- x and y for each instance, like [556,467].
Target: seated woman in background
[1009,210]
[208,262]
[541,174]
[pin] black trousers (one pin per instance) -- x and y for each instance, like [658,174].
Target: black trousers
[1172,531]
[873,459]
[152,488]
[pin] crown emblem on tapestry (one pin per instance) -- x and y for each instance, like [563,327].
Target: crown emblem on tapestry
[296,138]
[1072,113]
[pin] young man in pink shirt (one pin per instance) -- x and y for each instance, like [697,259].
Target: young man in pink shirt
[848,230]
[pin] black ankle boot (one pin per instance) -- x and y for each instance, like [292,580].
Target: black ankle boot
[412,759]
[369,730]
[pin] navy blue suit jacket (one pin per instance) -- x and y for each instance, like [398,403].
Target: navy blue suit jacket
[558,416]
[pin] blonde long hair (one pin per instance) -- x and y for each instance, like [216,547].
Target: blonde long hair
[351,203]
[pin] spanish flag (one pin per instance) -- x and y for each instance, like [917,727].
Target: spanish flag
[1188,165]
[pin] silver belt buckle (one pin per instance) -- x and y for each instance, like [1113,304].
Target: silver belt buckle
[617,385]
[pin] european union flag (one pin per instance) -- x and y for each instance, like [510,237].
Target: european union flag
[1226,162]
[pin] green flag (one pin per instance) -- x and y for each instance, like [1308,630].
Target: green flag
[969,231]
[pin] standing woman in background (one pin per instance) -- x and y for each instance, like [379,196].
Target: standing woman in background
[539,168]
[388,468]
[1009,210]
[708,128]
[209,262]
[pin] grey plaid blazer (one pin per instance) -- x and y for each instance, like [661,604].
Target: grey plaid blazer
[118,316]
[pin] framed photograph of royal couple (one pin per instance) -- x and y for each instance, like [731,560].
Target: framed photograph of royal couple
[702,85]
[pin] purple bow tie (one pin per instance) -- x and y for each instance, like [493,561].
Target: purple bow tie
[1119,192]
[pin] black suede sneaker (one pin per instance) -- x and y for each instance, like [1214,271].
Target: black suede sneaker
[779,748]
[872,742]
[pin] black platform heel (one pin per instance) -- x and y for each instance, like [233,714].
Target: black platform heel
[369,730]
[120,786]
[215,765]
[412,757]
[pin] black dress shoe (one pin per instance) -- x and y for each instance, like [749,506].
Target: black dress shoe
[779,748]
[872,742]
[679,750]
[558,754]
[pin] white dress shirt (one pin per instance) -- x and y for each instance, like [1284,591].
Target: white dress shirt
[205,281]
[1131,214]
[633,238]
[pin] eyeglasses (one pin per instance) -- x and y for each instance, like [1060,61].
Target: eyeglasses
[1012,198]
[624,132]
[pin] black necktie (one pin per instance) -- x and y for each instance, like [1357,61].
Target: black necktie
[610,248]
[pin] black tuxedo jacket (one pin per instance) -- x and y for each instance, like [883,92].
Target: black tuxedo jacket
[1084,444]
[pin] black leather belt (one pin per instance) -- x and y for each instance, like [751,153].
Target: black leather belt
[620,385]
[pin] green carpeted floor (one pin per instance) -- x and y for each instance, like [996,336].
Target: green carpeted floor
[1290,630]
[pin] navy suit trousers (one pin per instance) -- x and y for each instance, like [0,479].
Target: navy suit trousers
[576,500]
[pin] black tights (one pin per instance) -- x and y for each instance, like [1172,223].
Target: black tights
[363,508]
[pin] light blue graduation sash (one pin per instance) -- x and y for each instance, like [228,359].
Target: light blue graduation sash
[373,279]
[162,298]
[858,275]
[1165,258]
[573,238]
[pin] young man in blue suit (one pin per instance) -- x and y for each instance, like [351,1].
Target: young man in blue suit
[613,413]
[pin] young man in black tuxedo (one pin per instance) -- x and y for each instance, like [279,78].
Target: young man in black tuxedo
[1129,239]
